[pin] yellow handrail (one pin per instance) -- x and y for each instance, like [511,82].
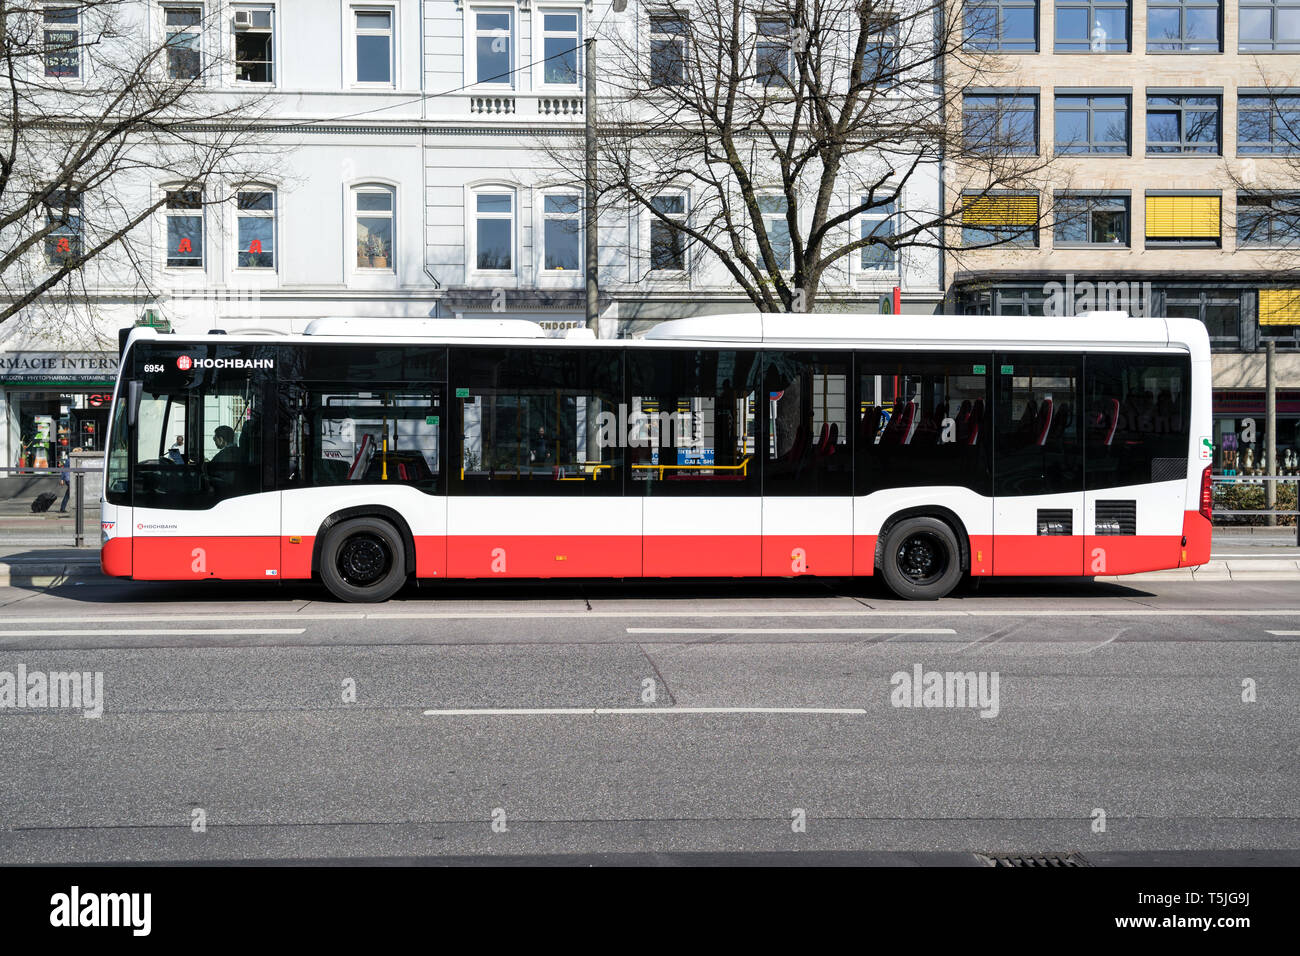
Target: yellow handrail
[743,468]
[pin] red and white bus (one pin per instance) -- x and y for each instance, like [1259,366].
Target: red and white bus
[367,452]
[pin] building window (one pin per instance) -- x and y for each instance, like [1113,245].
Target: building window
[667,243]
[493,36]
[1182,124]
[1184,26]
[1268,219]
[183,29]
[667,51]
[1268,124]
[1279,307]
[255,228]
[1008,26]
[998,122]
[1092,124]
[374,46]
[775,225]
[1092,26]
[184,213]
[1183,220]
[772,51]
[1269,25]
[254,44]
[1220,313]
[1091,220]
[879,222]
[63,211]
[880,60]
[374,209]
[561,43]
[494,231]
[62,41]
[999,218]
[562,233]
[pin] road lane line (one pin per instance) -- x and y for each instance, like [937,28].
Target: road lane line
[790,630]
[151,632]
[639,711]
[1046,612]
[1285,633]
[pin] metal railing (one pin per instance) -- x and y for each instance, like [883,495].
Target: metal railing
[19,506]
[1280,508]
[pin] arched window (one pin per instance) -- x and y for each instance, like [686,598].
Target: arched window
[374,208]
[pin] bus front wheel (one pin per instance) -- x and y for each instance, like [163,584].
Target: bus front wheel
[363,560]
[921,559]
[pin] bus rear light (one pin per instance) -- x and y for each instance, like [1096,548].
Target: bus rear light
[1207,495]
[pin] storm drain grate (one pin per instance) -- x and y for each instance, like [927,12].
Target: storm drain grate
[1032,859]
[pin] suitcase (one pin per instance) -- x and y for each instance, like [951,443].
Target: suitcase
[43,502]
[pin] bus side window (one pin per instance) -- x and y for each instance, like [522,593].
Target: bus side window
[1038,424]
[807,445]
[923,420]
[693,420]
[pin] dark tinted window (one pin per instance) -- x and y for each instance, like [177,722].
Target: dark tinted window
[923,420]
[1037,424]
[693,417]
[199,428]
[536,421]
[807,446]
[1139,412]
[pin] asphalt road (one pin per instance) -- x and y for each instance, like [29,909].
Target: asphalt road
[530,705]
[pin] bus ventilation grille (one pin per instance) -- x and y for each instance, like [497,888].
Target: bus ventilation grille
[1032,859]
[1053,521]
[1116,517]
[1168,469]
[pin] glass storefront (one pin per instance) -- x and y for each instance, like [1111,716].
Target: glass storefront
[52,403]
[1241,433]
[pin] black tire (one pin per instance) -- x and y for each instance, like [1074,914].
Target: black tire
[921,559]
[363,560]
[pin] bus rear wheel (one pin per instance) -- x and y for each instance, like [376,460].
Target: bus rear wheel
[363,560]
[921,559]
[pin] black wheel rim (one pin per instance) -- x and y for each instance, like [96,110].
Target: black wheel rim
[922,557]
[364,559]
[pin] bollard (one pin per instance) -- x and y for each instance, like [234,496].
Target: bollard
[78,480]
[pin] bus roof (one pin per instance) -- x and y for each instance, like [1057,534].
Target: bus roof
[1111,330]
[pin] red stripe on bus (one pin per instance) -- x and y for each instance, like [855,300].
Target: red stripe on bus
[199,558]
[795,554]
[614,556]
[1196,529]
[543,556]
[115,557]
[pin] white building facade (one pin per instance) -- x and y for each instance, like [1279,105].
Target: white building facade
[409,177]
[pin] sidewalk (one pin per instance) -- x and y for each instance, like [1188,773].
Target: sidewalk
[43,567]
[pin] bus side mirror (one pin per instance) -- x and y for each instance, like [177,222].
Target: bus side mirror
[134,391]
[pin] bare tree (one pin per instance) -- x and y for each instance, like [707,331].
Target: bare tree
[98,108]
[787,120]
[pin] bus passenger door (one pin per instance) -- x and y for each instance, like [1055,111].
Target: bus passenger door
[1038,517]
[808,464]
[691,433]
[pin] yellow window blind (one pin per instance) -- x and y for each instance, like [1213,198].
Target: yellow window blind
[1183,217]
[1279,306]
[989,211]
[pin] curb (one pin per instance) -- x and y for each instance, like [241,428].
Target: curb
[46,575]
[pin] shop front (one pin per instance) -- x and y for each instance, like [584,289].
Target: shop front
[53,403]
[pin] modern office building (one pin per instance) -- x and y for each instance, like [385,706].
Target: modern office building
[1173,130]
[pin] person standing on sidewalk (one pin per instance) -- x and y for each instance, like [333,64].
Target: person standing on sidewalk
[65,478]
